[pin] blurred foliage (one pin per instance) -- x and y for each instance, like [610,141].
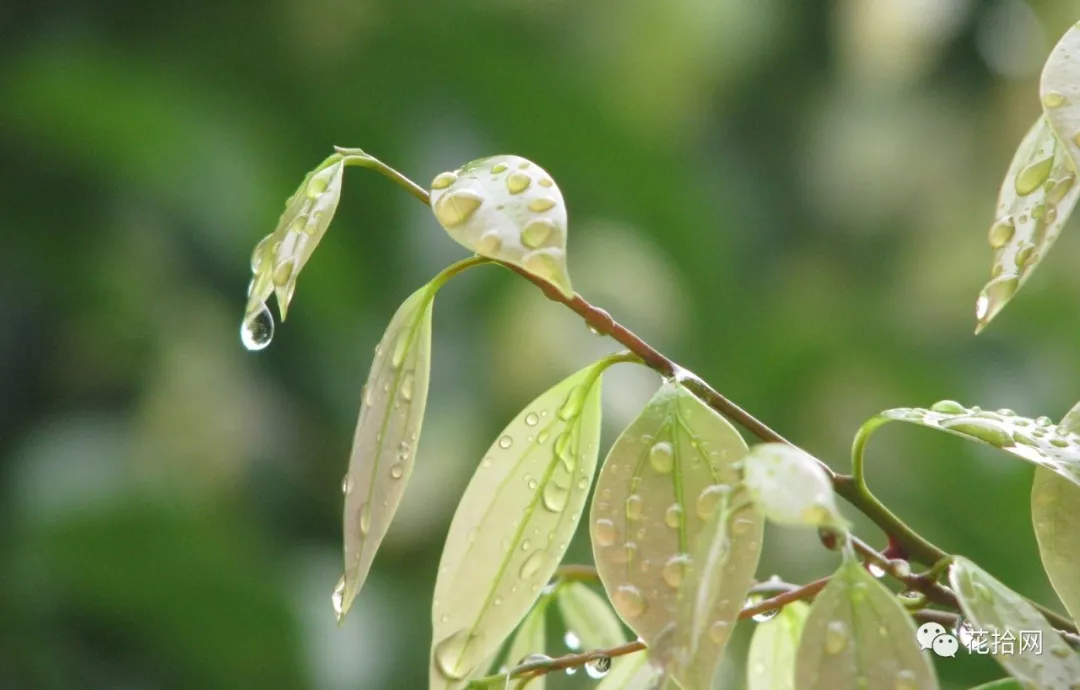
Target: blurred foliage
[790,198]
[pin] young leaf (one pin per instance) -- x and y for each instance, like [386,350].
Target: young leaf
[993,608]
[1038,441]
[858,636]
[280,256]
[1039,191]
[668,474]
[771,662]
[387,432]
[589,616]
[513,524]
[531,638]
[508,209]
[1055,514]
[790,487]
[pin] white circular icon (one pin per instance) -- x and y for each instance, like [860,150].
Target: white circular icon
[945,645]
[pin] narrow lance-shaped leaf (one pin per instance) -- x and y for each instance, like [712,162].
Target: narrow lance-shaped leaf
[771,661]
[664,479]
[530,639]
[790,487]
[1039,441]
[1055,514]
[1005,616]
[859,636]
[509,209]
[387,432]
[513,524]
[1039,191]
[280,256]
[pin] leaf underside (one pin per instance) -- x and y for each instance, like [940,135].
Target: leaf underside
[770,664]
[790,487]
[530,639]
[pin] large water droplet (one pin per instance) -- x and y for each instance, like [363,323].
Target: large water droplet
[1053,99]
[407,384]
[365,518]
[1060,189]
[257,330]
[346,484]
[532,419]
[457,655]
[948,407]
[532,564]
[598,668]
[674,571]
[634,507]
[456,207]
[629,601]
[661,457]
[505,442]
[517,182]
[545,203]
[498,168]
[397,470]
[604,532]
[542,263]
[719,631]
[1001,232]
[258,253]
[1025,254]
[537,231]
[836,637]
[443,180]
[764,616]
[673,515]
[337,599]
[1032,175]
[573,404]
[710,498]
[555,496]
[995,294]
[981,429]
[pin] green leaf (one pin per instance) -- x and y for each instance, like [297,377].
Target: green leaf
[513,524]
[790,487]
[589,616]
[1003,684]
[994,609]
[1039,191]
[531,638]
[387,432]
[771,661]
[667,476]
[1055,514]
[858,636]
[280,256]
[1038,441]
[508,209]
[632,672]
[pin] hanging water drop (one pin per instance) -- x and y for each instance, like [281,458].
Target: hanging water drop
[337,599]
[876,570]
[257,330]
[598,668]
[572,641]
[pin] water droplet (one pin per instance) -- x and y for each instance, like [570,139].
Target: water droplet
[598,668]
[1059,442]
[604,532]
[661,457]
[1060,189]
[674,571]
[981,429]
[401,347]
[741,525]
[1032,175]
[1001,232]
[1043,421]
[574,402]
[948,407]
[710,498]
[719,631]
[365,518]
[337,599]
[875,570]
[532,564]
[764,615]
[673,515]
[257,330]
[258,252]
[443,180]
[283,272]
[489,243]
[1024,254]
[555,496]
[517,182]
[458,654]
[995,294]
[629,601]
[505,442]
[455,207]
[571,670]
[397,470]
[544,203]
[537,231]
[498,168]
[407,384]
[545,182]
[542,263]
[634,507]
[836,637]
[1053,99]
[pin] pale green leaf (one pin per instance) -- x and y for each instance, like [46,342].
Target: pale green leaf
[632,672]
[1055,513]
[1003,684]
[513,524]
[1039,191]
[530,638]
[280,256]
[668,474]
[589,616]
[1039,441]
[994,609]
[771,661]
[508,209]
[387,432]
[790,487]
[859,636]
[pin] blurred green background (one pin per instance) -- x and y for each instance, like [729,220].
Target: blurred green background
[789,198]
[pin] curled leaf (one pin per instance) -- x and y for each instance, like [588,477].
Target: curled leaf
[1039,441]
[858,636]
[771,661]
[667,481]
[280,256]
[589,616]
[1039,191]
[1015,627]
[508,209]
[790,487]
[513,524]
[386,437]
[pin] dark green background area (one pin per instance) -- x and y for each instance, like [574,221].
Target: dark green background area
[790,198]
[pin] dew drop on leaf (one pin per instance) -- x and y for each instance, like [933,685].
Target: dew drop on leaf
[257,329]
[836,637]
[629,601]
[661,457]
[337,598]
